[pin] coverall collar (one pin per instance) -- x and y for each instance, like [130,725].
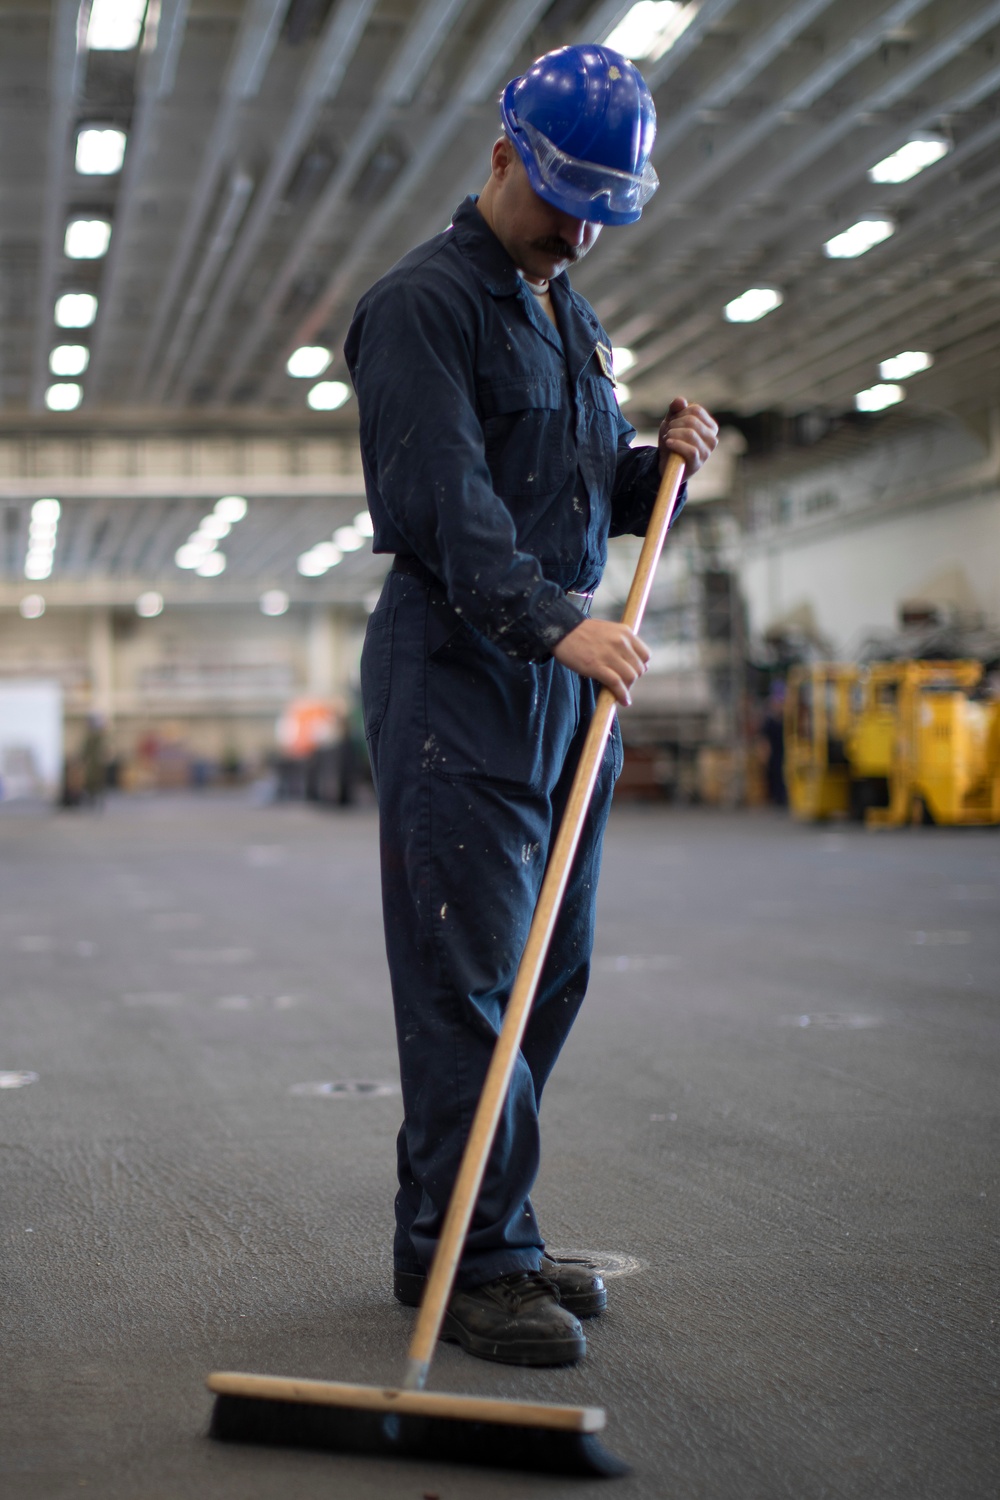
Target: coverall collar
[498,273]
[486,254]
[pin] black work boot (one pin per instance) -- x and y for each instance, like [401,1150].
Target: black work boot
[579,1283]
[516,1320]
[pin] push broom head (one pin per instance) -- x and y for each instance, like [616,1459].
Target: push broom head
[409,1424]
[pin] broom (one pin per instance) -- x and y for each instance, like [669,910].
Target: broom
[408,1420]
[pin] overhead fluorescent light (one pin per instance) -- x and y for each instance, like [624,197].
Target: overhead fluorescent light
[308,361]
[756,302]
[46,512]
[87,239]
[274,602]
[902,366]
[318,559]
[328,395]
[149,605]
[363,524]
[918,154]
[651,28]
[347,538]
[115,25]
[861,237]
[75,310]
[31,607]
[212,565]
[622,359]
[878,397]
[100,151]
[231,508]
[623,392]
[190,555]
[214,526]
[63,396]
[69,359]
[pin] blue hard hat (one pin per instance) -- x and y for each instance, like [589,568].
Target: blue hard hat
[584,122]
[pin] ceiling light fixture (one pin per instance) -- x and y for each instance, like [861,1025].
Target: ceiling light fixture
[214,526]
[902,366]
[63,396]
[231,508]
[87,239]
[42,530]
[319,559]
[308,362]
[859,238]
[190,555]
[115,25]
[363,524]
[274,602]
[31,607]
[918,154]
[100,150]
[75,310]
[623,393]
[69,359]
[622,359]
[211,565]
[328,395]
[651,28]
[348,538]
[755,303]
[878,397]
[149,605]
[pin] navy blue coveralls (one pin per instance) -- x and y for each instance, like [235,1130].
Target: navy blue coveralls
[497,463]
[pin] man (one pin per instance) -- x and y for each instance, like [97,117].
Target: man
[497,463]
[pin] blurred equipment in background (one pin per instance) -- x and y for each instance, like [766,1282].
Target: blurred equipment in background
[31,740]
[893,742]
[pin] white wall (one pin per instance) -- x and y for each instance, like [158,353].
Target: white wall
[852,581]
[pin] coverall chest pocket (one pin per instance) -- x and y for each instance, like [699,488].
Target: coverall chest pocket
[525,427]
[602,413]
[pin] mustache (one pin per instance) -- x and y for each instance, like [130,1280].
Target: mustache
[552,244]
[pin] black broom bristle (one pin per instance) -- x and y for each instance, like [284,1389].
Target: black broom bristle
[340,1429]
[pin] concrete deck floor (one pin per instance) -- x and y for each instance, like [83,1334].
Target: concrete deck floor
[779,1109]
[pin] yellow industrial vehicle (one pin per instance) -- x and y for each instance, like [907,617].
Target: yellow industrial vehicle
[945,761]
[893,743]
[818,717]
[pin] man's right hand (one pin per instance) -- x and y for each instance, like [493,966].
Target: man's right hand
[608,651]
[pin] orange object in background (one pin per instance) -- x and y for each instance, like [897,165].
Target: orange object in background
[307,724]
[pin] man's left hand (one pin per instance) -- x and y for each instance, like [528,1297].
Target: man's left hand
[689,431]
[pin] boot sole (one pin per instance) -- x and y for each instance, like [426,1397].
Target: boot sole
[516,1351]
[408,1288]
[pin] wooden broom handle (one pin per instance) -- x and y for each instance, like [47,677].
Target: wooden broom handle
[484,1125]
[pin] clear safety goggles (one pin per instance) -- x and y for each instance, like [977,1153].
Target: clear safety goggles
[586,183]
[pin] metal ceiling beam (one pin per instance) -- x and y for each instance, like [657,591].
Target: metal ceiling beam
[333,55]
[709,14]
[157,75]
[230,211]
[714,266]
[424,36]
[930,227]
[67,65]
[748,136]
[825,138]
[255,42]
[487,68]
[756,55]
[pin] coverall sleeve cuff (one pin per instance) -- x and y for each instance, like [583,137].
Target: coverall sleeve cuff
[554,620]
